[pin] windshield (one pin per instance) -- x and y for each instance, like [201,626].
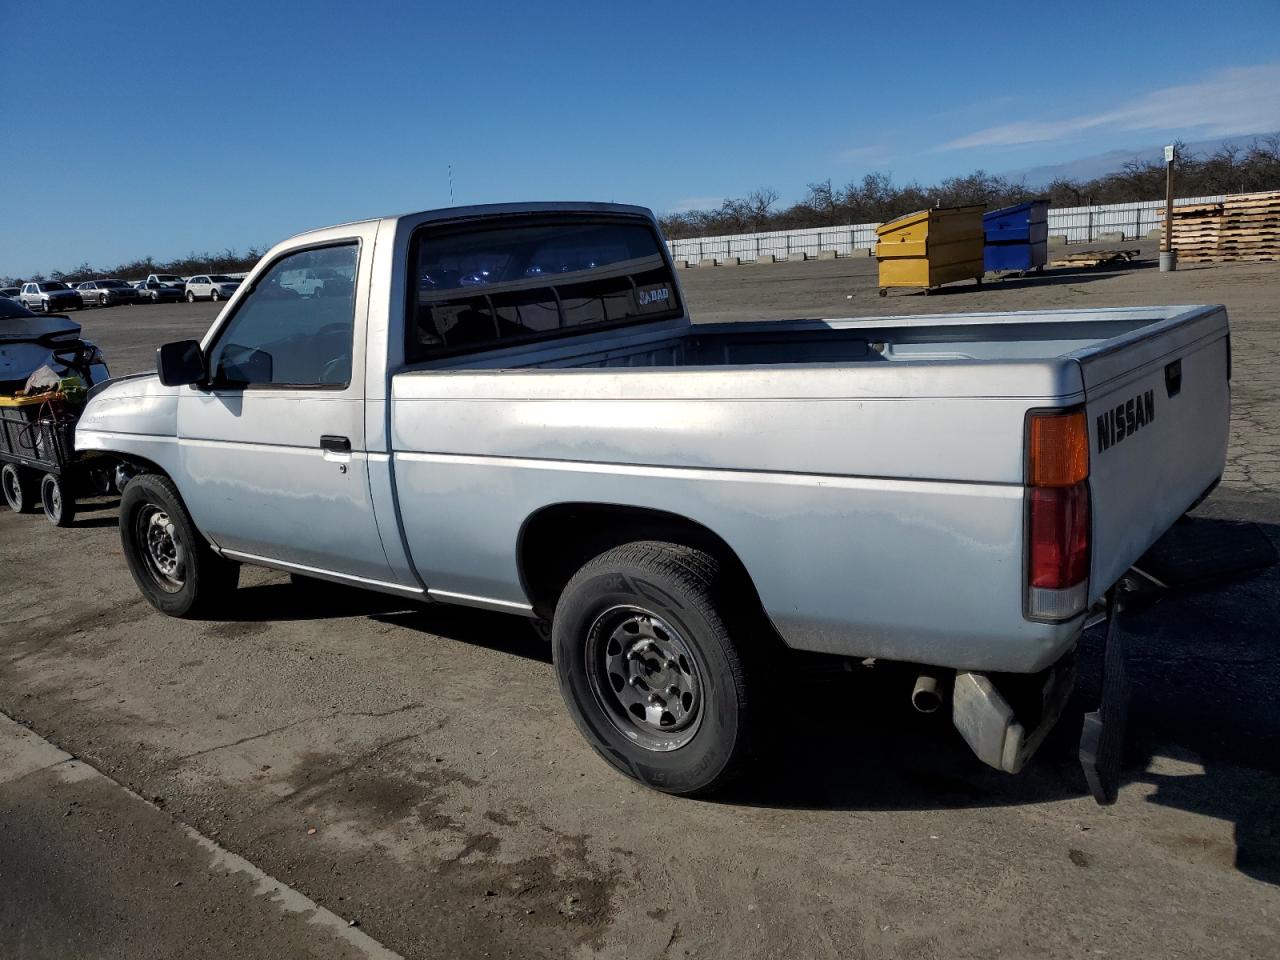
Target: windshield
[166,277]
[220,278]
[112,283]
[53,285]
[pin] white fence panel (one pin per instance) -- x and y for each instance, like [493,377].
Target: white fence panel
[1077,224]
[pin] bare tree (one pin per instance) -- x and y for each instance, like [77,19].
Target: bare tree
[759,203]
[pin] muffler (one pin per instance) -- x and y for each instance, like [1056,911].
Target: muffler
[925,695]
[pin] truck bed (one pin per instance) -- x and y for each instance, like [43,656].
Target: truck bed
[1032,335]
[868,472]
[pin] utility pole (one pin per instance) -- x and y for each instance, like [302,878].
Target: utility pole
[451,184]
[1168,256]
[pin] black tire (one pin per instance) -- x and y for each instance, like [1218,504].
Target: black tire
[102,300]
[183,577]
[679,603]
[191,297]
[21,491]
[58,500]
[213,296]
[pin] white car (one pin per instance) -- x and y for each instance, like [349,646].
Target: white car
[316,283]
[211,286]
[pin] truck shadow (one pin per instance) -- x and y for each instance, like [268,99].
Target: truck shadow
[1204,733]
[321,600]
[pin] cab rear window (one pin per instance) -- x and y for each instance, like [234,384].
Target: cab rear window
[516,280]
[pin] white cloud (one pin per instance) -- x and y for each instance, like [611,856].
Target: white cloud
[875,153]
[694,203]
[1236,100]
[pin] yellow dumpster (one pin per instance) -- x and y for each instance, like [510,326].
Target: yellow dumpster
[930,248]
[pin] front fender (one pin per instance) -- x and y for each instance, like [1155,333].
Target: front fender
[132,416]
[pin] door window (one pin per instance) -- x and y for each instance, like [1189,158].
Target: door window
[279,337]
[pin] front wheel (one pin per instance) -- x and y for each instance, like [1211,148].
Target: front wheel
[172,564]
[102,300]
[650,669]
[191,297]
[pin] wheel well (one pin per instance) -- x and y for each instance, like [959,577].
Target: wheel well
[139,464]
[556,541]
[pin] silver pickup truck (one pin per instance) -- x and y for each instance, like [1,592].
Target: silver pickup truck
[508,407]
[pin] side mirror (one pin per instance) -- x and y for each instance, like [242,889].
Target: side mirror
[180,363]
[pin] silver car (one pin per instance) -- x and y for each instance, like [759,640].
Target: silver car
[49,296]
[107,293]
[211,286]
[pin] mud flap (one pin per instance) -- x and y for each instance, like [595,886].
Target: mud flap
[1102,739]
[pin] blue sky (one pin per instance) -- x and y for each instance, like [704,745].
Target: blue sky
[157,128]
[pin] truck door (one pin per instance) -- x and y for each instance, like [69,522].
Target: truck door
[273,449]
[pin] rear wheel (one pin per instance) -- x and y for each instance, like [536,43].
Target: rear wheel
[20,487]
[172,564]
[57,499]
[649,667]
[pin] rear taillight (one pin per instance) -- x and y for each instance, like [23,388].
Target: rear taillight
[1058,522]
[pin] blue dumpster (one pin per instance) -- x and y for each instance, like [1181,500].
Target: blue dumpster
[1017,237]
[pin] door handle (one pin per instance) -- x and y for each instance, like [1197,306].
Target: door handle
[334,444]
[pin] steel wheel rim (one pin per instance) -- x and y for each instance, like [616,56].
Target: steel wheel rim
[54,500]
[162,549]
[645,677]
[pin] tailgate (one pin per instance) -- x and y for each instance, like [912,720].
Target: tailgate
[1158,405]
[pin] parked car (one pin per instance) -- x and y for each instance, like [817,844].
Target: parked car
[107,293]
[11,293]
[212,286]
[153,291]
[675,505]
[317,283]
[49,296]
[168,280]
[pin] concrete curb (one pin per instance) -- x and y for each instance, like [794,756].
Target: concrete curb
[24,752]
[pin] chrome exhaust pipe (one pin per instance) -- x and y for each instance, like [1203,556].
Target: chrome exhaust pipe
[925,695]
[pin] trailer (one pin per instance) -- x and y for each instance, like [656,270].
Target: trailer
[40,466]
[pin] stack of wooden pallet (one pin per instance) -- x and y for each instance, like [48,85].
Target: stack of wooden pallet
[1243,227]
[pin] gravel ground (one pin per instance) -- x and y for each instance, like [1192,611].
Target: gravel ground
[457,812]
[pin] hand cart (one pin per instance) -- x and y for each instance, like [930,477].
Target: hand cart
[39,461]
